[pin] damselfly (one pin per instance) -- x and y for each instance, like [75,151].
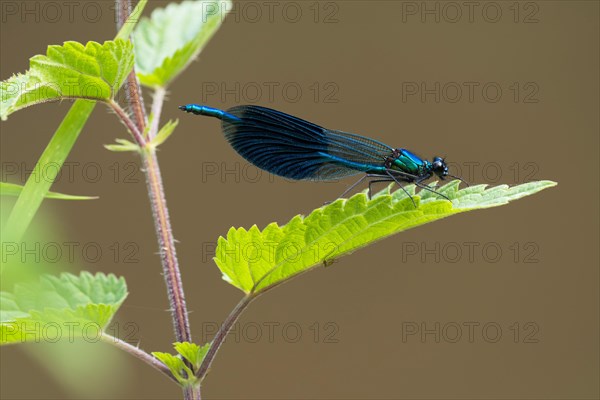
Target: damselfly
[297,149]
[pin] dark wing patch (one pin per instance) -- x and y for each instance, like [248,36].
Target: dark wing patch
[297,149]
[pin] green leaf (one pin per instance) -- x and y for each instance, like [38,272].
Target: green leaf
[191,352]
[180,371]
[164,133]
[168,41]
[55,154]
[132,20]
[60,308]
[93,71]
[12,189]
[254,260]
[123,145]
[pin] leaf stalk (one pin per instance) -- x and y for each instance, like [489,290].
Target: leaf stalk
[222,334]
[137,353]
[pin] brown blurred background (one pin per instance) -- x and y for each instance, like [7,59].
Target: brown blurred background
[501,303]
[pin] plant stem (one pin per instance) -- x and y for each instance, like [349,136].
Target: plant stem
[222,334]
[159,98]
[123,9]
[138,353]
[192,393]
[133,92]
[133,128]
[166,242]
[166,245]
[160,212]
[135,99]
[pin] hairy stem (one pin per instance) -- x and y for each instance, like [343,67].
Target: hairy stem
[162,223]
[123,9]
[166,241]
[160,212]
[135,99]
[159,98]
[222,334]
[166,245]
[131,126]
[138,353]
[192,393]
[133,91]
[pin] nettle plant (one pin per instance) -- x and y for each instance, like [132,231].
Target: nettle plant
[165,44]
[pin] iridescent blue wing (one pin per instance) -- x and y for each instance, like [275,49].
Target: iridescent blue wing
[278,143]
[297,149]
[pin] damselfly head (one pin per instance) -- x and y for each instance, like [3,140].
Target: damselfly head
[439,167]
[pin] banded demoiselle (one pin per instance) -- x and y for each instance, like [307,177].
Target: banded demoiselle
[291,147]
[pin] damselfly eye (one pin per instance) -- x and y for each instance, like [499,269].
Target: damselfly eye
[439,167]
